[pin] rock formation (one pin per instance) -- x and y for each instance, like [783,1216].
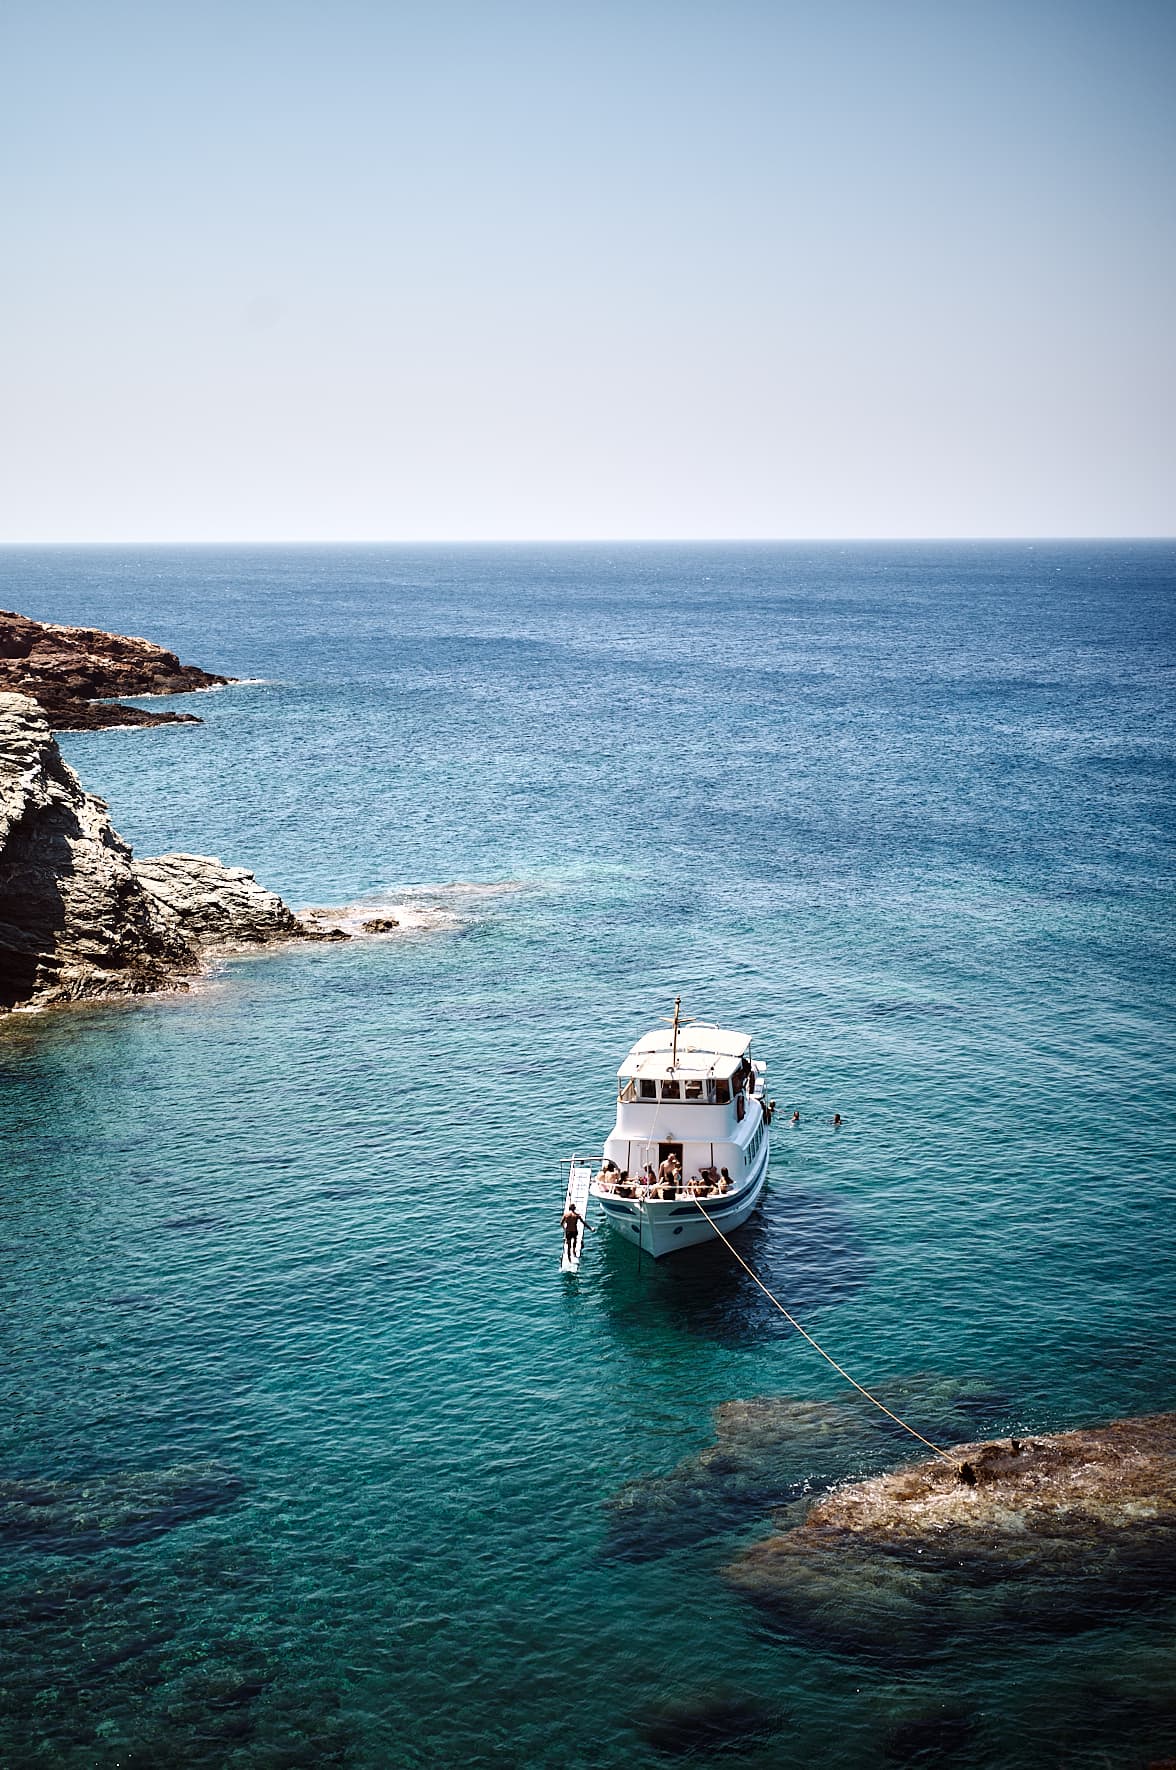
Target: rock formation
[772,1450]
[79,916]
[1052,1533]
[71,672]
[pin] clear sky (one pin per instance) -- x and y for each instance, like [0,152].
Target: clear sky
[462,269]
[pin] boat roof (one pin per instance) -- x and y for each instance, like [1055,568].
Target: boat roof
[702,1051]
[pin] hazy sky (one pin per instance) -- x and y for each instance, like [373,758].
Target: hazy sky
[340,269]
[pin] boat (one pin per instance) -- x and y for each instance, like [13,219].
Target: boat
[688,1155]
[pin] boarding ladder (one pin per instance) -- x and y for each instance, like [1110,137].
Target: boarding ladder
[579,1180]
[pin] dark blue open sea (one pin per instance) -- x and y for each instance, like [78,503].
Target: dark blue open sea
[319,1444]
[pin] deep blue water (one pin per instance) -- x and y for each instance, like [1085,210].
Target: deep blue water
[282,1317]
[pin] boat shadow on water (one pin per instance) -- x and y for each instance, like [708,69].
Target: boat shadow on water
[801,1243]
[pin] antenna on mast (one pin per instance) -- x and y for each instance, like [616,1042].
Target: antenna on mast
[677,1023]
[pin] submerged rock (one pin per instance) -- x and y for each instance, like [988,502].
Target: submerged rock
[69,1517]
[942,1737]
[1051,1533]
[766,1452]
[772,1450]
[712,1723]
[71,672]
[79,916]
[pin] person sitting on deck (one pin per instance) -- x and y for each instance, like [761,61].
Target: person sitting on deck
[625,1187]
[724,1181]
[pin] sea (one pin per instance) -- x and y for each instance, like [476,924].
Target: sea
[309,1453]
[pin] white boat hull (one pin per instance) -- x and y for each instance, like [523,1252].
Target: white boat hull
[665,1226]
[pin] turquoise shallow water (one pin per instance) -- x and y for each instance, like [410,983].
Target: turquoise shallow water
[321,1438]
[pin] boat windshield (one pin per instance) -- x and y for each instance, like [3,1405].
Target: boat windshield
[704,1090]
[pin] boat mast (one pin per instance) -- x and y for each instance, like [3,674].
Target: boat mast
[674,1052]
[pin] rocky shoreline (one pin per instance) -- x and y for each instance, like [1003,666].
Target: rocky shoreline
[80,917]
[73,673]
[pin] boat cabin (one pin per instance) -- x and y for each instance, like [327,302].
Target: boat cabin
[686,1094]
[694,1065]
[687,1158]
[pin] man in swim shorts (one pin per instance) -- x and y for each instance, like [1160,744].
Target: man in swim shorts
[572,1221]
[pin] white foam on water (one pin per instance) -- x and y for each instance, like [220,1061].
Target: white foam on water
[467,888]
[414,908]
[409,917]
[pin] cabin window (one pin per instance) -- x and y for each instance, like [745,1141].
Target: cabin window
[692,1090]
[671,1091]
[647,1089]
[723,1093]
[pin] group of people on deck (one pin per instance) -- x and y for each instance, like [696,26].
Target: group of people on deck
[667,1182]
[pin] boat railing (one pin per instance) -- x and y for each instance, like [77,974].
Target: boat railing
[574,1167]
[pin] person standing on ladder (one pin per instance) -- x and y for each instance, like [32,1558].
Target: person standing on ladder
[572,1224]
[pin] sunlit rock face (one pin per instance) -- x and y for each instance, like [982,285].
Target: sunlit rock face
[68,671]
[79,916]
[1051,1533]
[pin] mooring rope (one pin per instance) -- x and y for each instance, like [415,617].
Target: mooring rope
[942,1454]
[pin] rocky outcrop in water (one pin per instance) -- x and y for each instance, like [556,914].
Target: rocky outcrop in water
[72,673]
[1053,1533]
[772,1450]
[79,916]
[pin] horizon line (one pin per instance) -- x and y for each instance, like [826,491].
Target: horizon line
[603,541]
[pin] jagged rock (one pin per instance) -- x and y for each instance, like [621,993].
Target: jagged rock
[206,901]
[79,916]
[381,925]
[71,672]
[1051,1533]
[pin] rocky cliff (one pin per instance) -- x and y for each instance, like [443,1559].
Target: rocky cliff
[71,672]
[79,915]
